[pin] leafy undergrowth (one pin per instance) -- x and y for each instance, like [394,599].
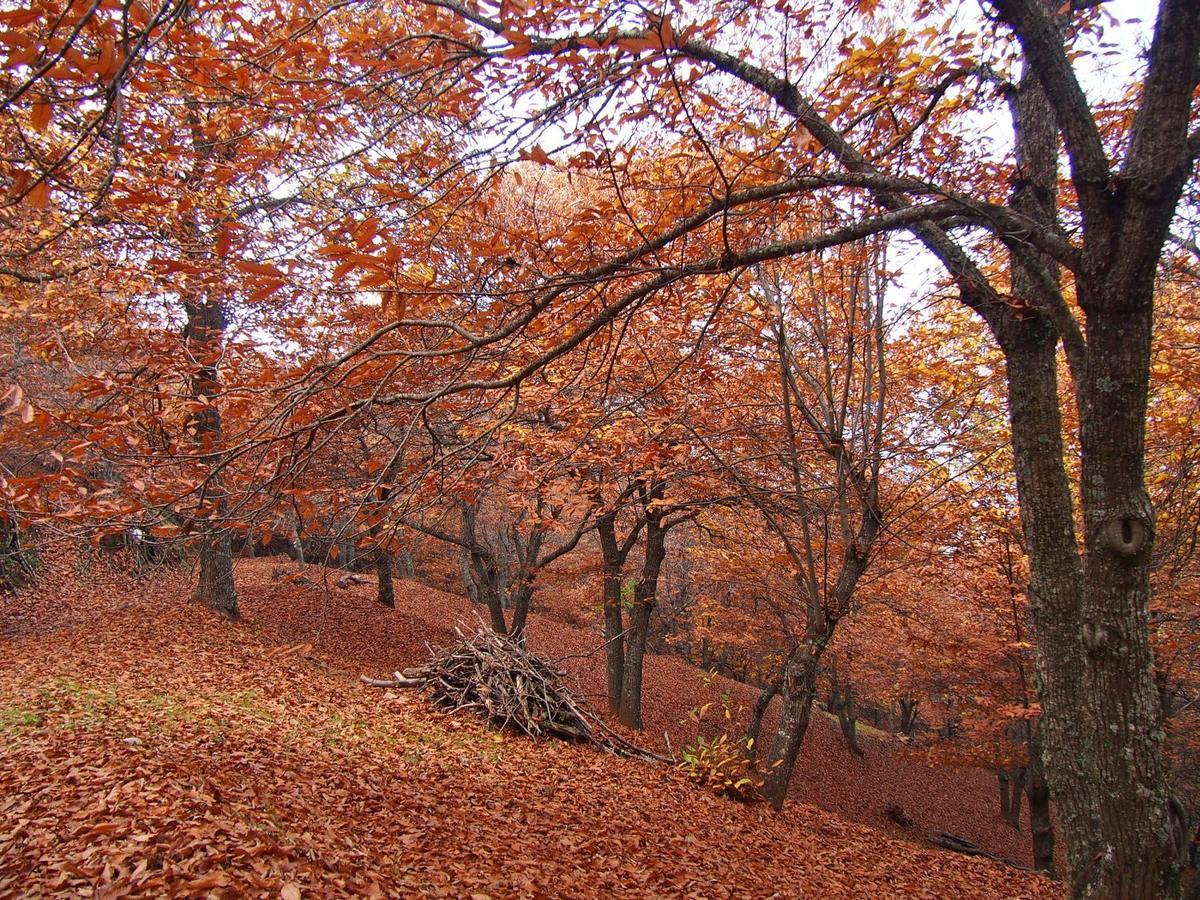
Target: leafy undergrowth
[148,747]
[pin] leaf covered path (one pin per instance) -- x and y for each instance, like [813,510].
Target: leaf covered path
[150,748]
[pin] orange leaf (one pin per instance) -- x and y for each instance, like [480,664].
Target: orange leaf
[266,290]
[41,115]
[39,197]
[259,268]
[224,240]
[18,17]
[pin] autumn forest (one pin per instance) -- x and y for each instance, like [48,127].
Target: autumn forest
[488,448]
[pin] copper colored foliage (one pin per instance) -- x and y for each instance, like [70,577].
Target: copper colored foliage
[151,748]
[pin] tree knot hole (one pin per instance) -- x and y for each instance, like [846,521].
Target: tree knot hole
[1125,536]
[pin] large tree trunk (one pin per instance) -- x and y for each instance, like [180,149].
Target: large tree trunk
[386,591]
[1099,728]
[215,585]
[799,689]
[1100,705]
[202,336]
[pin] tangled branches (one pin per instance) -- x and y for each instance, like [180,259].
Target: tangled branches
[500,680]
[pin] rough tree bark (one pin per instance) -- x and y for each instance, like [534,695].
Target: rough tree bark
[1090,610]
[203,334]
[1099,729]
[796,701]
[386,588]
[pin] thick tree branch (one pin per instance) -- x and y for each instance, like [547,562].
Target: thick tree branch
[1044,50]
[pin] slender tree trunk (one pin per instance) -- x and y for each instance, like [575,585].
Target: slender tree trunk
[382,558]
[907,725]
[841,704]
[614,626]
[1041,825]
[408,568]
[849,725]
[799,690]
[1019,781]
[1004,781]
[630,713]
[468,578]
[761,705]
[297,540]
[639,622]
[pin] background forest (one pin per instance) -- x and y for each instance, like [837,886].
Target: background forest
[846,352]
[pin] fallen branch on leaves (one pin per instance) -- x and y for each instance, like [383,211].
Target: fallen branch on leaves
[958,844]
[501,681]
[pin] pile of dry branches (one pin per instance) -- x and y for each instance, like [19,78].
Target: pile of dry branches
[500,680]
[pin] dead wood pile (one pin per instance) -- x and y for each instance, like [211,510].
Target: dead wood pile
[500,680]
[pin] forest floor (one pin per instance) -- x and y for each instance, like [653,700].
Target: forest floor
[149,747]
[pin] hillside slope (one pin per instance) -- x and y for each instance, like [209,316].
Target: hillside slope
[149,747]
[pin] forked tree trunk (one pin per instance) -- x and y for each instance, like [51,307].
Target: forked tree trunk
[841,704]
[1100,709]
